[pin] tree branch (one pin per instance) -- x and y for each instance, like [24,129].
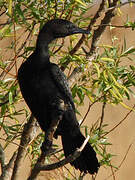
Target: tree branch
[59,164]
[67,160]
[99,31]
[76,74]
[83,37]
[27,135]
[47,144]
[8,169]
[2,160]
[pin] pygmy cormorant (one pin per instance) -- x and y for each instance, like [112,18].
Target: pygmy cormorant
[43,86]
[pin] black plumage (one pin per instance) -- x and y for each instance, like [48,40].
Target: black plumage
[44,85]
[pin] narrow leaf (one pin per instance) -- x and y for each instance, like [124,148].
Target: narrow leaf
[10,7]
[107,59]
[97,68]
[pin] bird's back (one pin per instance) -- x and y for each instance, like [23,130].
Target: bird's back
[40,89]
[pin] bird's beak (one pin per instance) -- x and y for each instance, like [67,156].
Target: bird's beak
[78,30]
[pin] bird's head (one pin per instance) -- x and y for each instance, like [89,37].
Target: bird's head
[62,28]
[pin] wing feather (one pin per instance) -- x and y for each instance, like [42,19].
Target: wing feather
[62,83]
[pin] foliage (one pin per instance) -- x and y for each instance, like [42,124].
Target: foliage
[103,79]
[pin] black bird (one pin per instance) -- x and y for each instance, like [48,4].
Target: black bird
[43,86]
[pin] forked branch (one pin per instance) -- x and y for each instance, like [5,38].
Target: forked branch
[59,164]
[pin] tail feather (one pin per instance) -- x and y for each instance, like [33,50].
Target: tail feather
[87,161]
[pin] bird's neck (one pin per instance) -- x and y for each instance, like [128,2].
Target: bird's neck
[42,49]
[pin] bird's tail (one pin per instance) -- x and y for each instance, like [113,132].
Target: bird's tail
[87,161]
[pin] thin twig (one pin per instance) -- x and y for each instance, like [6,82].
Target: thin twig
[76,73]
[15,47]
[113,173]
[102,116]
[119,122]
[12,64]
[129,147]
[59,48]
[2,14]
[90,105]
[123,160]
[9,141]
[66,167]
[116,26]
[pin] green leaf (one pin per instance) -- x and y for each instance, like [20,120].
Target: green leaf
[10,7]
[107,59]
[128,51]
[10,97]
[97,68]
[30,48]
[19,11]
